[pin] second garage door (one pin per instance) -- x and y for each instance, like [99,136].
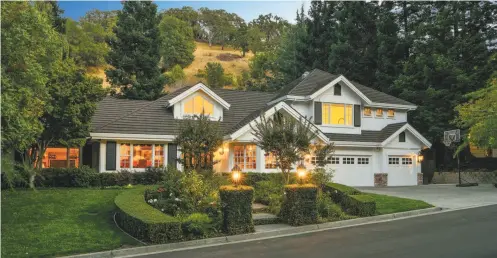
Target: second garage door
[401,171]
[352,170]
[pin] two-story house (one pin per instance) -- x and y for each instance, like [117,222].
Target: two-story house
[369,129]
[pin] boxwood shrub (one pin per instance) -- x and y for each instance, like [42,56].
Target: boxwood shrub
[67,177]
[236,205]
[362,205]
[300,204]
[143,221]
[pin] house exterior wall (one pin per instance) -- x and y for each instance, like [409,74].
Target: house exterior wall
[374,123]
[179,107]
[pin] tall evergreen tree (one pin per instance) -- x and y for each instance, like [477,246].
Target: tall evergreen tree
[134,54]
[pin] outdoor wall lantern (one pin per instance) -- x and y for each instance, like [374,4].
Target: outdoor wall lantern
[236,175]
[301,172]
[420,157]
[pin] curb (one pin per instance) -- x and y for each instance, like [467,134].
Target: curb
[194,244]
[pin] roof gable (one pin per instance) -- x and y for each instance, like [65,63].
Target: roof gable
[197,87]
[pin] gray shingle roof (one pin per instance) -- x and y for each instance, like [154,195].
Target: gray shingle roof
[317,79]
[366,135]
[153,117]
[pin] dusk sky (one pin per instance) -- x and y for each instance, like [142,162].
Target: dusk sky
[245,9]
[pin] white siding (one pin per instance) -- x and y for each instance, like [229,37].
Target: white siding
[373,123]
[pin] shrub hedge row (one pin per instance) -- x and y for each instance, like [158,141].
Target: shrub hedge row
[143,221]
[252,178]
[300,204]
[352,200]
[236,205]
[87,177]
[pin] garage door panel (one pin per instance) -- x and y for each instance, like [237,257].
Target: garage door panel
[401,171]
[352,170]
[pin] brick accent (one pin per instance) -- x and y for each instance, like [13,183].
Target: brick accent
[380,179]
[420,178]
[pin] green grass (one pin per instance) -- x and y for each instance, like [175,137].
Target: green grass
[62,221]
[389,204]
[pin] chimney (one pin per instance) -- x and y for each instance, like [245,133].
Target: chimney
[305,74]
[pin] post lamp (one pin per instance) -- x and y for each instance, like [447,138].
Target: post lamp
[236,175]
[301,172]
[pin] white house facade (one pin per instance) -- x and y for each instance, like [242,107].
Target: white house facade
[374,144]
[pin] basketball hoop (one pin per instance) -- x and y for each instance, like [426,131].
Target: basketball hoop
[451,137]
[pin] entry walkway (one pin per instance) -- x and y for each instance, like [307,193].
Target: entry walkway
[445,196]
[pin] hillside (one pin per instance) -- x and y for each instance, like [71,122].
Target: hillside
[231,60]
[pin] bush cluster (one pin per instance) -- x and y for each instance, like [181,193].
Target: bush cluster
[327,209]
[300,204]
[87,177]
[236,205]
[351,200]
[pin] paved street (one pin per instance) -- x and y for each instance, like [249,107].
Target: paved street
[464,233]
[445,196]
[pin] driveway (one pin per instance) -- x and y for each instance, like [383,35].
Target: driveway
[445,196]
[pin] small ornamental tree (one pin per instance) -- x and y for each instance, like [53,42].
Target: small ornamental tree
[215,75]
[198,139]
[285,137]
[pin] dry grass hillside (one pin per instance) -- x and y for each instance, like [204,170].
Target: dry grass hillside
[231,60]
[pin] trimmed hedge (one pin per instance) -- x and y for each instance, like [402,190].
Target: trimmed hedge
[300,204]
[362,205]
[143,221]
[351,200]
[252,178]
[236,205]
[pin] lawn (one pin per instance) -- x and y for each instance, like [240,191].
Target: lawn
[389,204]
[59,222]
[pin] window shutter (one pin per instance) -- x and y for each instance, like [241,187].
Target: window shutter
[110,156]
[172,150]
[318,113]
[95,155]
[357,115]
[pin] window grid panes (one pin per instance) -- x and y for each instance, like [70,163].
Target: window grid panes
[238,156]
[159,156]
[142,155]
[367,111]
[335,160]
[250,156]
[363,161]
[390,113]
[270,161]
[393,161]
[406,161]
[337,114]
[125,155]
[347,160]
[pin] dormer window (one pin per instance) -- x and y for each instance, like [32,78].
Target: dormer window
[197,105]
[391,113]
[337,91]
[379,112]
[367,111]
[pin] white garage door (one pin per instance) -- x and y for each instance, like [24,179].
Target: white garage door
[401,171]
[352,170]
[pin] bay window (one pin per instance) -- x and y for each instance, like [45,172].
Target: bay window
[197,105]
[56,157]
[337,114]
[142,155]
[244,156]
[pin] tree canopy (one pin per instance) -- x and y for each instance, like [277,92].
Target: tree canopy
[177,43]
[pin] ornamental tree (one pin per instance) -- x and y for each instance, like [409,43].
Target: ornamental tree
[198,138]
[285,137]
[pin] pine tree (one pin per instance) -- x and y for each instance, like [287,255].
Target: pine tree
[134,53]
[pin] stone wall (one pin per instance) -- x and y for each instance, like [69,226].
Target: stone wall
[420,178]
[466,177]
[380,179]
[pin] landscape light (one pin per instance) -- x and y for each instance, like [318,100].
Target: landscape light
[301,172]
[236,175]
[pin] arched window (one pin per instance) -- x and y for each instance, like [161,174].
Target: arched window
[198,104]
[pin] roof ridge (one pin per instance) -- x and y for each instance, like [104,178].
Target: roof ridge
[303,79]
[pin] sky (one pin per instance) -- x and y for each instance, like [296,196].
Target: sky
[248,10]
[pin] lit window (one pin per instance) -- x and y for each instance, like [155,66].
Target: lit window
[393,161]
[125,154]
[379,112]
[245,156]
[406,161]
[391,113]
[57,158]
[363,161]
[270,161]
[197,105]
[337,114]
[347,160]
[159,156]
[367,111]
[142,155]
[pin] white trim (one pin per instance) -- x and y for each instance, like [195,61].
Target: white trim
[341,78]
[195,88]
[356,144]
[288,97]
[269,113]
[410,129]
[126,137]
[394,106]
